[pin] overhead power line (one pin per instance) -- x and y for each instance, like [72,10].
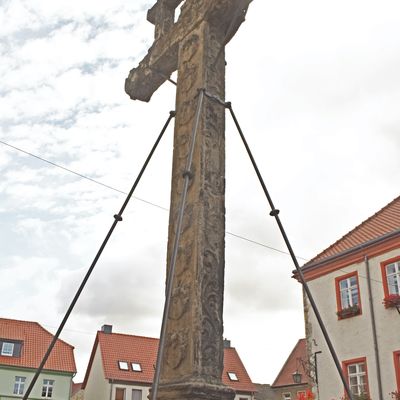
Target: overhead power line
[135,197]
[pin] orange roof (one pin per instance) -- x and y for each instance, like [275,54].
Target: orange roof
[35,342]
[384,222]
[293,364]
[116,347]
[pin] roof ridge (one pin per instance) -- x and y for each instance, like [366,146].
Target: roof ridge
[356,228]
[129,335]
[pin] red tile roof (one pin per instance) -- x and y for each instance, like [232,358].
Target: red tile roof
[116,347]
[385,221]
[36,341]
[292,365]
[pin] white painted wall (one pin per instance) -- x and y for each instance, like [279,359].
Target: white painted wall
[352,337]
[97,387]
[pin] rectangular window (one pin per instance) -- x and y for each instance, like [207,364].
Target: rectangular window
[357,376]
[7,349]
[348,295]
[136,394]
[286,396]
[136,367]
[19,385]
[119,394]
[391,276]
[47,388]
[123,365]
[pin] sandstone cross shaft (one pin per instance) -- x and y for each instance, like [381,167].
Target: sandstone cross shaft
[194,45]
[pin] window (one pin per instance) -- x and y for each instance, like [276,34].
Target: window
[19,385]
[357,376]
[347,295]
[232,376]
[119,394]
[136,394]
[136,367]
[47,389]
[7,349]
[391,276]
[286,396]
[10,348]
[123,365]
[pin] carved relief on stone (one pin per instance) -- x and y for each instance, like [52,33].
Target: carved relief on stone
[184,258]
[176,348]
[211,287]
[180,301]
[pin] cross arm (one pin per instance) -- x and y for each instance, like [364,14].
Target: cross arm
[162,58]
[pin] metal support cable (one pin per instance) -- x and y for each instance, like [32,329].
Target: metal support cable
[117,218]
[275,213]
[187,175]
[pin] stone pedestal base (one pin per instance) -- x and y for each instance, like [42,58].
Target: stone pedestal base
[194,391]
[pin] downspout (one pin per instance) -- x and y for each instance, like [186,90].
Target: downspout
[374,334]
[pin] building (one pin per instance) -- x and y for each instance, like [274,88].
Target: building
[356,286]
[121,367]
[293,379]
[22,347]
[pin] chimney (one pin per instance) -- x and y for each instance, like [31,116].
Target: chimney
[227,344]
[106,328]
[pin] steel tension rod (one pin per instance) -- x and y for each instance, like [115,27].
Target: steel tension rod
[275,213]
[117,218]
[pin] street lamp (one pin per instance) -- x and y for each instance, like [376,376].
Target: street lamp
[297,377]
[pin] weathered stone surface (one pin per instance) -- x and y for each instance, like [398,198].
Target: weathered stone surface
[193,362]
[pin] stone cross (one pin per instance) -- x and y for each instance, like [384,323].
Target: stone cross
[194,46]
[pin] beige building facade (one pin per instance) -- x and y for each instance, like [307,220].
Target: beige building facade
[356,285]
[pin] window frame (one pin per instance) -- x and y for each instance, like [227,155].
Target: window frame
[340,310]
[137,391]
[48,388]
[121,364]
[359,360]
[384,264]
[136,367]
[286,398]
[123,390]
[232,376]
[396,360]
[7,353]
[19,385]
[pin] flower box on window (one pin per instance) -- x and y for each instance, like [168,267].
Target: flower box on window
[393,300]
[349,311]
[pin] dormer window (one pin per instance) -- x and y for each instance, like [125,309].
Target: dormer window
[7,349]
[123,365]
[136,367]
[10,347]
[232,376]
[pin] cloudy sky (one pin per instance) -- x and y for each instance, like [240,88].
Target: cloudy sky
[316,88]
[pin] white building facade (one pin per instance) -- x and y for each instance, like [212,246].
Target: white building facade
[356,285]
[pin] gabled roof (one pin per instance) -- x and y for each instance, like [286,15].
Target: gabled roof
[381,224]
[293,364]
[35,342]
[116,347]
